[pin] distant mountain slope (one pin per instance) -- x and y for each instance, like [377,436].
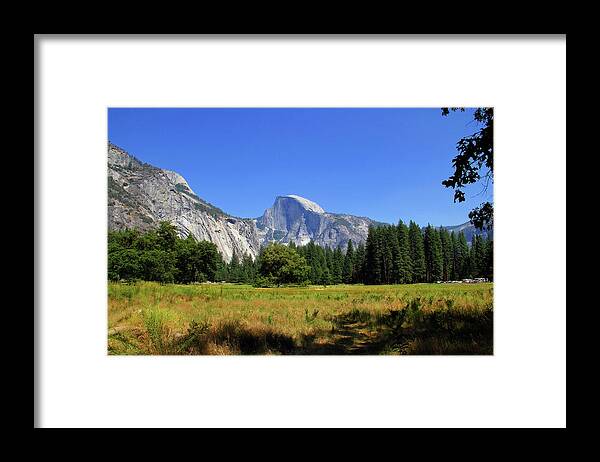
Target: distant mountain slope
[141,195]
[469,231]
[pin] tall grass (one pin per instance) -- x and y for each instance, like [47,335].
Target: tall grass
[155,322]
[150,318]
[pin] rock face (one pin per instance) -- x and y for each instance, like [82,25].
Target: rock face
[296,219]
[141,195]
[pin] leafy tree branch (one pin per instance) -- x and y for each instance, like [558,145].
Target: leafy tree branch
[475,153]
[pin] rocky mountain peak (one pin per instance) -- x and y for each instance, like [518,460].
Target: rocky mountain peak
[291,210]
[177,179]
[305,203]
[294,218]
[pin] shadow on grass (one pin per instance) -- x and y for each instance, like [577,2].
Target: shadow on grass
[232,337]
[408,331]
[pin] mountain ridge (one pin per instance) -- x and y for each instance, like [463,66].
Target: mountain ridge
[141,195]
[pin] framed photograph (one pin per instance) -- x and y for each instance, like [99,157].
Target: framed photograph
[243,230]
[281,274]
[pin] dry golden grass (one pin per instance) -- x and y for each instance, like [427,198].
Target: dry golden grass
[150,318]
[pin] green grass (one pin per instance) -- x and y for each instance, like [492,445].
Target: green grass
[150,318]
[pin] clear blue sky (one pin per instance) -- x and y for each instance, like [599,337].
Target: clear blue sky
[385,164]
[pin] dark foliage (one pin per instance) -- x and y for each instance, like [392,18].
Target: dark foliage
[474,162]
[398,254]
[160,255]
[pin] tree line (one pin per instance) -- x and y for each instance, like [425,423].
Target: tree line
[161,255]
[401,254]
[392,254]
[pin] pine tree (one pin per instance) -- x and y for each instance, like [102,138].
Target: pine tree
[386,253]
[311,253]
[348,271]
[372,258]
[447,254]
[329,260]
[359,265]
[324,273]
[326,278]
[338,266]
[248,270]
[474,252]
[478,256]
[462,257]
[456,262]
[417,252]
[394,245]
[405,263]
[234,268]
[434,262]
[222,272]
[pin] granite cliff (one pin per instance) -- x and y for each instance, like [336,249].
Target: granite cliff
[141,195]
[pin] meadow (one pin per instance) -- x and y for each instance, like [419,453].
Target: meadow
[148,318]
